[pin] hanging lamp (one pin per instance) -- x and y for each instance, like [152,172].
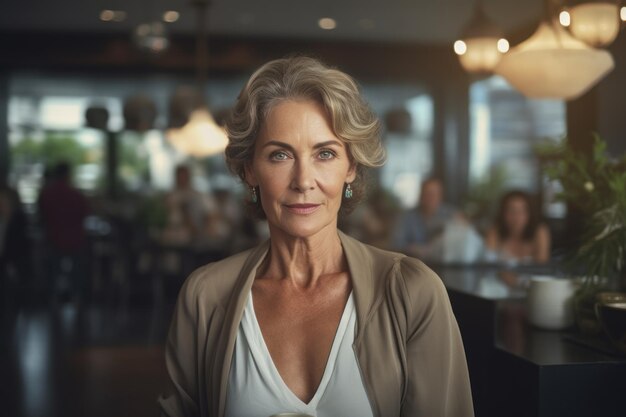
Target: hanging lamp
[597,23]
[481,44]
[553,64]
[200,136]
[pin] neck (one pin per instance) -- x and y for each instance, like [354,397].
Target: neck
[303,261]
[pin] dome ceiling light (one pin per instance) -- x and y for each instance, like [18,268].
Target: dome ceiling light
[597,23]
[553,64]
[198,135]
[482,44]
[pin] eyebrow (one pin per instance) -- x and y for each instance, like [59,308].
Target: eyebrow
[316,146]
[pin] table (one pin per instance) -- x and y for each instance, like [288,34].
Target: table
[518,370]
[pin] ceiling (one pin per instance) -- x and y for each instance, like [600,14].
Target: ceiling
[424,21]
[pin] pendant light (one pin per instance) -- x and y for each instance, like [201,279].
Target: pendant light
[597,23]
[481,44]
[200,136]
[553,64]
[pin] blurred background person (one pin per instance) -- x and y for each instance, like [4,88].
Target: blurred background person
[192,231]
[62,211]
[419,232]
[517,235]
[188,211]
[373,221]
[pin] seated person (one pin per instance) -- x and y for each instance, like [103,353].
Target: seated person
[419,232]
[517,235]
[188,212]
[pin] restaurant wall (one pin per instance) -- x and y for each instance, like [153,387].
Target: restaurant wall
[611,108]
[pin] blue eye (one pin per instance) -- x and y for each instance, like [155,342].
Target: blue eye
[326,154]
[279,156]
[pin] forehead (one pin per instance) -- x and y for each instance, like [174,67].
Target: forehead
[293,105]
[296,118]
[516,202]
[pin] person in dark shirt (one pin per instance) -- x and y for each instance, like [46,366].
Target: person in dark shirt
[62,210]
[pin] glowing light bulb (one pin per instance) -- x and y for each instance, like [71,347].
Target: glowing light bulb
[171,16]
[503,45]
[460,47]
[327,23]
[107,15]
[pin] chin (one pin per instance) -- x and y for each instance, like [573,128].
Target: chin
[303,228]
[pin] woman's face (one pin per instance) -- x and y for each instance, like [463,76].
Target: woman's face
[300,167]
[516,214]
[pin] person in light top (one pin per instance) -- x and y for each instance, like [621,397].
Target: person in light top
[517,235]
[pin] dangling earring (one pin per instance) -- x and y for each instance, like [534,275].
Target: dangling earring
[253,196]
[348,192]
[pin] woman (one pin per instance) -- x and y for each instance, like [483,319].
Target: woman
[517,236]
[312,321]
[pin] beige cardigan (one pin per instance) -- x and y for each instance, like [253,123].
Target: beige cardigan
[407,340]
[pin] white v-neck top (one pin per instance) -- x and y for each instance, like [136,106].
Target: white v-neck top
[256,389]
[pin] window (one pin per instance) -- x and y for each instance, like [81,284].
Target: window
[504,128]
[409,146]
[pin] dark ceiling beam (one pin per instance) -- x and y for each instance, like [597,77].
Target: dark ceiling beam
[227,55]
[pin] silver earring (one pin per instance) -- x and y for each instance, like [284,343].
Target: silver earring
[348,192]
[253,197]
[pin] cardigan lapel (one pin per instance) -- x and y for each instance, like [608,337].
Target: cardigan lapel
[232,318]
[361,274]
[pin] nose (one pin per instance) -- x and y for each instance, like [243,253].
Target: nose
[303,176]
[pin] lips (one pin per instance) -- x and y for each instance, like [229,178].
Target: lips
[302,208]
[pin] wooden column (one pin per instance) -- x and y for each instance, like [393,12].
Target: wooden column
[451,136]
[4,125]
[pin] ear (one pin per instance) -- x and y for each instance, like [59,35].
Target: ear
[351,176]
[249,175]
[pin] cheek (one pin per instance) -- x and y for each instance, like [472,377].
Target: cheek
[332,184]
[273,187]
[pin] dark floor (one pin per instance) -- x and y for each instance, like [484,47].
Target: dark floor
[63,357]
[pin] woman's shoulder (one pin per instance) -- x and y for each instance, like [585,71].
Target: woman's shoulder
[419,279]
[407,267]
[414,276]
[213,281]
[419,290]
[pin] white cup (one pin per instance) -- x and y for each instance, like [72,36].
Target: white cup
[550,302]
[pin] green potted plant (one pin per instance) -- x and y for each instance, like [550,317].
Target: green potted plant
[596,185]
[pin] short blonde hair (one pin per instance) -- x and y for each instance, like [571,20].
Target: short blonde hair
[352,120]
